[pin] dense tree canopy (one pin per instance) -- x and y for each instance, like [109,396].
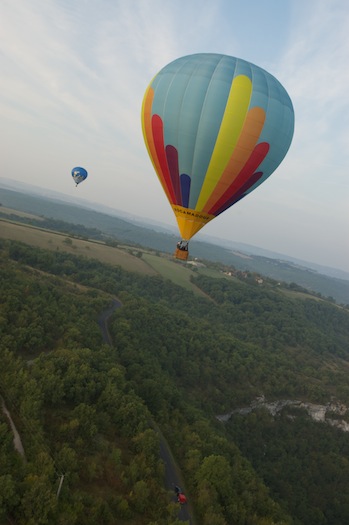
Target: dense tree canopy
[85,410]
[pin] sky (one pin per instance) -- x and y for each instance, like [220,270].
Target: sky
[73,77]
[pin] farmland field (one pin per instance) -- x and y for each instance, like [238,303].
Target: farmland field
[10,211]
[176,272]
[211,272]
[56,241]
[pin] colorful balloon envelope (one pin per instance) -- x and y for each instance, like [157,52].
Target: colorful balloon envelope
[215,127]
[79,175]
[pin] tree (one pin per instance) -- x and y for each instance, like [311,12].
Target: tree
[140,496]
[39,501]
[9,495]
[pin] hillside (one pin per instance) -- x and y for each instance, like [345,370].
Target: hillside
[180,359]
[129,232]
[140,260]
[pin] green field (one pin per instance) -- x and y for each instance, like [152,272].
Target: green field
[212,272]
[125,256]
[148,264]
[10,211]
[178,273]
[57,241]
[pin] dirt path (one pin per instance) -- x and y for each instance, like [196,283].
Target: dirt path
[16,437]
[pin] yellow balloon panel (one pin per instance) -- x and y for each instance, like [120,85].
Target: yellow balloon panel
[190,221]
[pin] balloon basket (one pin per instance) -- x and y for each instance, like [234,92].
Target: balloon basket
[181,254]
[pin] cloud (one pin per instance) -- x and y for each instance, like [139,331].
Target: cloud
[315,71]
[74,75]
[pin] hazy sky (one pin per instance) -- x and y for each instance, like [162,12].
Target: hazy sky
[73,76]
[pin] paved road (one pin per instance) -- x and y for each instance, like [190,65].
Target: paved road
[173,478]
[103,321]
[172,474]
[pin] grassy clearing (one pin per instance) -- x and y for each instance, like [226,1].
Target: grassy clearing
[178,273]
[49,240]
[211,272]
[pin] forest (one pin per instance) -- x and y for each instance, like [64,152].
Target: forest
[87,411]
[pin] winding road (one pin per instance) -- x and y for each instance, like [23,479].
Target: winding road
[172,473]
[103,321]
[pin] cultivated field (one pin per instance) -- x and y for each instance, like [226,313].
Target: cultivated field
[56,241]
[148,264]
[10,211]
[178,273]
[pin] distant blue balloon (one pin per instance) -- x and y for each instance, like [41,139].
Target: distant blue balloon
[79,175]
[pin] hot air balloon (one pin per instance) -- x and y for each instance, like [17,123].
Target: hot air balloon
[79,175]
[215,127]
